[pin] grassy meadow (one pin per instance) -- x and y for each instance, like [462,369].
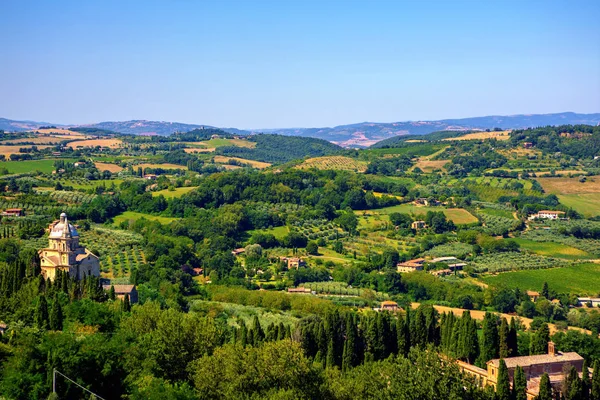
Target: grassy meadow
[551,249]
[177,192]
[132,216]
[20,167]
[457,215]
[583,279]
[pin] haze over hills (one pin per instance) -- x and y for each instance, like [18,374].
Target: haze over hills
[352,135]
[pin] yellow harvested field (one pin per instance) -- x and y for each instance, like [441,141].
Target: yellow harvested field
[500,135]
[112,143]
[8,150]
[335,163]
[199,150]
[570,185]
[163,166]
[430,165]
[520,152]
[108,167]
[230,167]
[415,141]
[41,139]
[59,131]
[253,163]
[561,172]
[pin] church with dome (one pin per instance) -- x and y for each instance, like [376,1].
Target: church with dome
[66,254]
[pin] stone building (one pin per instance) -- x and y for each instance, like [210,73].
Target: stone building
[65,253]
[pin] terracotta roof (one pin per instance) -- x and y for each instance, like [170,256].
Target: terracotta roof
[551,212]
[532,293]
[388,303]
[525,361]
[120,288]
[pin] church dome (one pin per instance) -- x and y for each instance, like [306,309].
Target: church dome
[63,229]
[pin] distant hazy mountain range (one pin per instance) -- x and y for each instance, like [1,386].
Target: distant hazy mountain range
[361,134]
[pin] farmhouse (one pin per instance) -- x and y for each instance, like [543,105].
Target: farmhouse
[411,265]
[13,212]
[122,290]
[527,145]
[417,225]
[553,364]
[533,296]
[64,253]
[594,301]
[150,176]
[295,262]
[299,290]
[389,306]
[547,214]
[239,251]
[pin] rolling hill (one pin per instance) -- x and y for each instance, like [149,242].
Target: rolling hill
[354,135]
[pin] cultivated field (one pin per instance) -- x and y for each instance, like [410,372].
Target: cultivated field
[42,139]
[335,163]
[254,164]
[428,166]
[163,166]
[279,231]
[108,167]
[587,204]
[177,192]
[501,135]
[552,249]
[199,150]
[8,150]
[134,216]
[457,215]
[19,167]
[570,185]
[112,143]
[59,131]
[583,279]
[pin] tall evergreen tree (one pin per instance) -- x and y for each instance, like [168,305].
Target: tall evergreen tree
[489,339]
[545,391]
[56,315]
[259,334]
[330,359]
[111,293]
[585,380]
[595,384]
[41,313]
[503,384]
[539,341]
[126,304]
[402,335]
[545,291]
[519,384]
[503,338]
[513,347]
[572,388]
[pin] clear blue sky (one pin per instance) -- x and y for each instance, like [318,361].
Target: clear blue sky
[284,63]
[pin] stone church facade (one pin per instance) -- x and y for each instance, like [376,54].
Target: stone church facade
[66,254]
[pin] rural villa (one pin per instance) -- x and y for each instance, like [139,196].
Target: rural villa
[547,214]
[65,253]
[534,367]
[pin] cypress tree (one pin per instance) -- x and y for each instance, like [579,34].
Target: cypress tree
[126,304]
[519,384]
[330,360]
[280,331]
[572,387]
[41,313]
[259,334]
[489,339]
[539,341]
[545,392]
[585,380]
[322,339]
[513,347]
[545,291]
[111,293]
[595,384]
[401,336]
[56,316]
[243,334]
[503,339]
[503,385]
[471,340]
